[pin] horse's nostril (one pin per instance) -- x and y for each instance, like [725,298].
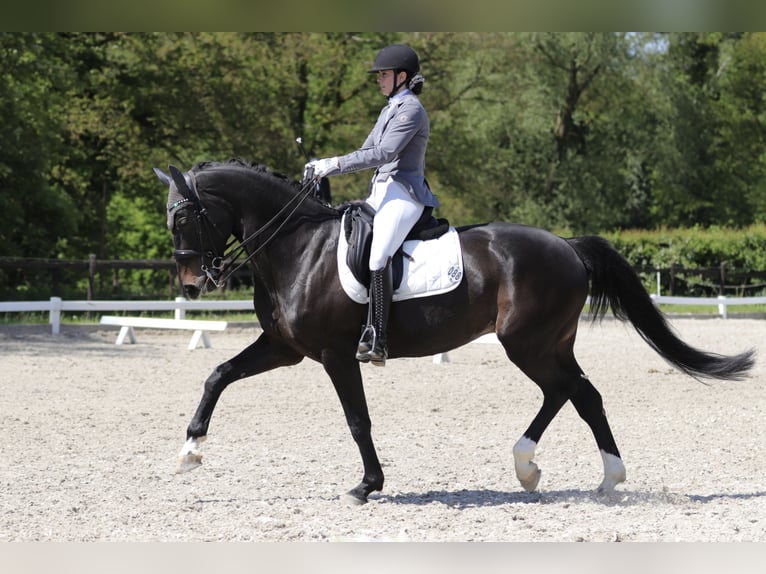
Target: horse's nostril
[192,291]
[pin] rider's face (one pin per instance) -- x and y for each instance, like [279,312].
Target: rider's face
[386,79]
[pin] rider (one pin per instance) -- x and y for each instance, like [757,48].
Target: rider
[396,147]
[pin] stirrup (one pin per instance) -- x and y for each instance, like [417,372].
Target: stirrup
[371,349]
[375,356]
[365,343]
[379,359]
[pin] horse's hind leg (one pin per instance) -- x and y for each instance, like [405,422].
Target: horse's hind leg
[527,470]
[560,378]
[589,405]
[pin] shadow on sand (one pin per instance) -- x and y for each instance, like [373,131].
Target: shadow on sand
[465,498]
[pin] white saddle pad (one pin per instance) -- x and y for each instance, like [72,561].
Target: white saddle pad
[433,267]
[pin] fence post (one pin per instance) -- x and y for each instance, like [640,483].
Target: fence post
[54,315]
[91,276]
[115,280]
[722,310]
[179,313]
[672,279]
[722,279]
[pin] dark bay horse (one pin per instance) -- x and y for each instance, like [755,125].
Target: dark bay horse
[524,284]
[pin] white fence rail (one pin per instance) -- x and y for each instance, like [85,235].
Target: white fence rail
[55,306]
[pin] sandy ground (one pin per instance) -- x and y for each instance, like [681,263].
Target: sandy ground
[91,432]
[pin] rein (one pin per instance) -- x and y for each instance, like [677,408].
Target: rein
[234,254]
[222,267]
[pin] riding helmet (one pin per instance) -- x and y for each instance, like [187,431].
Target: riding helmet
[397,57]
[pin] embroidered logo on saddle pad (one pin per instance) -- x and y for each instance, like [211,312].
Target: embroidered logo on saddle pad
[430,268]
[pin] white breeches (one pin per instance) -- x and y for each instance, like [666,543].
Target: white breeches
[396,212]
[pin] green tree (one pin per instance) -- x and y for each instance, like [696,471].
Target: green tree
[579,132]
[740,144]
[711,168]
[529,134]
[33,213]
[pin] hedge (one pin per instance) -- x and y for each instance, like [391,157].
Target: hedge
[742,252]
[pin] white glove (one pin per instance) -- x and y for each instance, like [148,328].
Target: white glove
[322,167]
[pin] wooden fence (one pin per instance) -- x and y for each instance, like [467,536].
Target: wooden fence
[100,272]
[698,281]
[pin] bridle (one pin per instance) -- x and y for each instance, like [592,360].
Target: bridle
[223,266]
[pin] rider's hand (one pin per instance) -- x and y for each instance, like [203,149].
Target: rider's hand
[321,167]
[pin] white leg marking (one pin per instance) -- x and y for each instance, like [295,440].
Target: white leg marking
[526,470]
[190,456]
[614,472]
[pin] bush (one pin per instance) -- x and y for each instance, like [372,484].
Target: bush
[742,252]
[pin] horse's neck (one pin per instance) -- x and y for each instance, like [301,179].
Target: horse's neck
[270,212]
[300,237]
[299,258]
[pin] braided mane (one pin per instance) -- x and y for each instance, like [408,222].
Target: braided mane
[250,165]
[318,208]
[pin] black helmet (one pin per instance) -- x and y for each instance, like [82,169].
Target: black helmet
[397,57]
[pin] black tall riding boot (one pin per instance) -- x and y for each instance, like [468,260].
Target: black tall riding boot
[372,345]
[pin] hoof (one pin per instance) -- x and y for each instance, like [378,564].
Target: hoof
[530,482]
[526,471]
[607,485]
[351,499]
[190,456]
[188,462]
[614,473]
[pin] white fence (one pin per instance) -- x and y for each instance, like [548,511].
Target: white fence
[179,306]
[55,306]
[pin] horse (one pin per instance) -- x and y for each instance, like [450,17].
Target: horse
[525,284]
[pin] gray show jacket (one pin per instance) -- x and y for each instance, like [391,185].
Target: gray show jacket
[397,147]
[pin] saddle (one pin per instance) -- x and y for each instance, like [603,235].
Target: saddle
[358,230]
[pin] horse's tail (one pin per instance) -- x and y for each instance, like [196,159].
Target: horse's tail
[615,284]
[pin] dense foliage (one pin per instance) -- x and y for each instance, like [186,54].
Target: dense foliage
[575,132]
[704,259]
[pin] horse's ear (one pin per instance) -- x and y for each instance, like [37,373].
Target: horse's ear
[181,185]
[164,178]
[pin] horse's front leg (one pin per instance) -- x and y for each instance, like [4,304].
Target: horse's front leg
[346,376]
[263,355]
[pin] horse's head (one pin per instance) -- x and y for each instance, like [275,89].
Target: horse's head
[199,234]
